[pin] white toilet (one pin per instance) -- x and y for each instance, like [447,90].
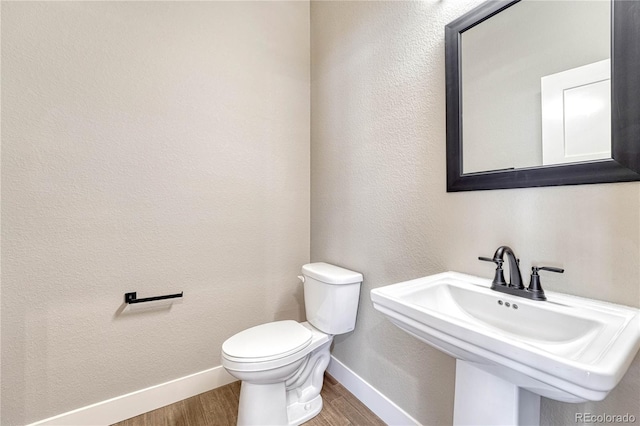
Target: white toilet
[282,363]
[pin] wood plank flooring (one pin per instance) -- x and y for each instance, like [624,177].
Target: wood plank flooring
[220,407]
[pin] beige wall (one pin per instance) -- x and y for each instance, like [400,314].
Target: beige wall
[154,147]
[379,204]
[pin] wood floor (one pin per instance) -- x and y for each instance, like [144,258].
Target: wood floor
[220,407]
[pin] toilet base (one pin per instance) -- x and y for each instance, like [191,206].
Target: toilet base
[273,409]
[262,404]
[299,413]
[289,402]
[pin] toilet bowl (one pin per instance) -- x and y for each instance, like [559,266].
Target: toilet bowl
[281,364]
[282,387]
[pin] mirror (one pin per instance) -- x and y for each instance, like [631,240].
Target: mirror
[530,86]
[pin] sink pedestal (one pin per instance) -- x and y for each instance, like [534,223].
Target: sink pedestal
[484,399]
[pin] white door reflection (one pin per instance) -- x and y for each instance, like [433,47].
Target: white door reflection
[576,111]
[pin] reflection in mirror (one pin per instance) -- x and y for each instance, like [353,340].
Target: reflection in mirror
[536,86]
[547,86]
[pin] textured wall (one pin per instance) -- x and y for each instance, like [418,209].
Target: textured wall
[151,147]
[379,204]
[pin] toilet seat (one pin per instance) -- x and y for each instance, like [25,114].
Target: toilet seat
[267,342]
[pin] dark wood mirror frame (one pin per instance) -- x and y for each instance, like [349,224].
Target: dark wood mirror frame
[625,111]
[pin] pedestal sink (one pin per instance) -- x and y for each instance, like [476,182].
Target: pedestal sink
[510,350]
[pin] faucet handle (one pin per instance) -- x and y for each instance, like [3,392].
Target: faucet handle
[498,279]
[534,285]
[546,268]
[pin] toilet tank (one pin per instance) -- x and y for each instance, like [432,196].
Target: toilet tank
[331,295]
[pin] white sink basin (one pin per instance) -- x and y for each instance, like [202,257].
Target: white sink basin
[566,348]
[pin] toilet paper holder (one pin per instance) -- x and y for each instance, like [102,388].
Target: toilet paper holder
[132,297]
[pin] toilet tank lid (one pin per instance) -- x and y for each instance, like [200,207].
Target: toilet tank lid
[331,274]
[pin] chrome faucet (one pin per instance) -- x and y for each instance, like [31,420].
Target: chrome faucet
[515,286]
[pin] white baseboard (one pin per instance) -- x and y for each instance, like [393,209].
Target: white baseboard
[139,402]
[382,406]
[135,403]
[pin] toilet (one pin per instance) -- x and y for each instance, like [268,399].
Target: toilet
[281,364]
